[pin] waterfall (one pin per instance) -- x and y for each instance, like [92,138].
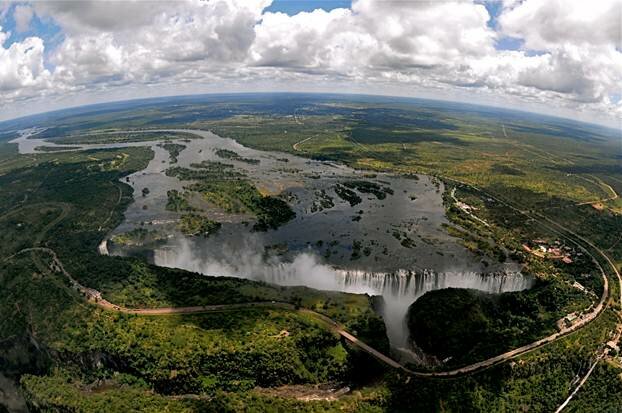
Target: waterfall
[416,283]
[402,288]
[399,289]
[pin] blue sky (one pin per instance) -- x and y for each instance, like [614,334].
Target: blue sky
[505,42]
[45,29]
[292,7]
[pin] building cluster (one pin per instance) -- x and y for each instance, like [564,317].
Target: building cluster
[573,318]
[554,251]
[465,207]
[613,346]
[568,321]
[92,294]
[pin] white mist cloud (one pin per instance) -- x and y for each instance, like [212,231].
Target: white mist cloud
[398,290]
[248,262]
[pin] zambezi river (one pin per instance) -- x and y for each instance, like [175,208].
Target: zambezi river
[352,248]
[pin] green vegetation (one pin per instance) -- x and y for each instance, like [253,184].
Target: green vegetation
[177,354]
[545,169]
[137,236]
[538,381]
[195,224]
[347,195]
[234,156]
[177,201]
[100,136]
[367,187]
[468,325]
[408,242]
[61,391]
[144,359]
[67,201]
[206,170]
[122,394]
[271,212]
[173,149]
[508,234]
[279,132]
[323,201]
[232,197]
[602,392]
[356,250]
[224,188]
[54,148]
[485,148]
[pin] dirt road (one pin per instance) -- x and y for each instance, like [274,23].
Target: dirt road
[296,145]
[95,297]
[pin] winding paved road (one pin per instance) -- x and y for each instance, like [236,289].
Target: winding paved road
[568,234]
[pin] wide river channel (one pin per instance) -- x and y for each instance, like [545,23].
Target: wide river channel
[315,248]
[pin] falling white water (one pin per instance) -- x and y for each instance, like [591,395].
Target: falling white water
[399,289]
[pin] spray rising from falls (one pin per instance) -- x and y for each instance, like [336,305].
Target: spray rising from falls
[399,289]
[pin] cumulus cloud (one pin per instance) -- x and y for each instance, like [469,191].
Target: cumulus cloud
[78,17]
[22,72]
[580,42]
[585,74]
[183,38]
[546,24]
[375,35]
[571,55]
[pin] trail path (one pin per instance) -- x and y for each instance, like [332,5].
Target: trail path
[598,181]
[296,146]
[103,224]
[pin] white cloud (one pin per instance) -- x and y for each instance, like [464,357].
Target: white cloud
[201,36]
[581,46]
[22,73]
[546,24]
[375,35]
[96,16]
[586,74]
[438,46]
